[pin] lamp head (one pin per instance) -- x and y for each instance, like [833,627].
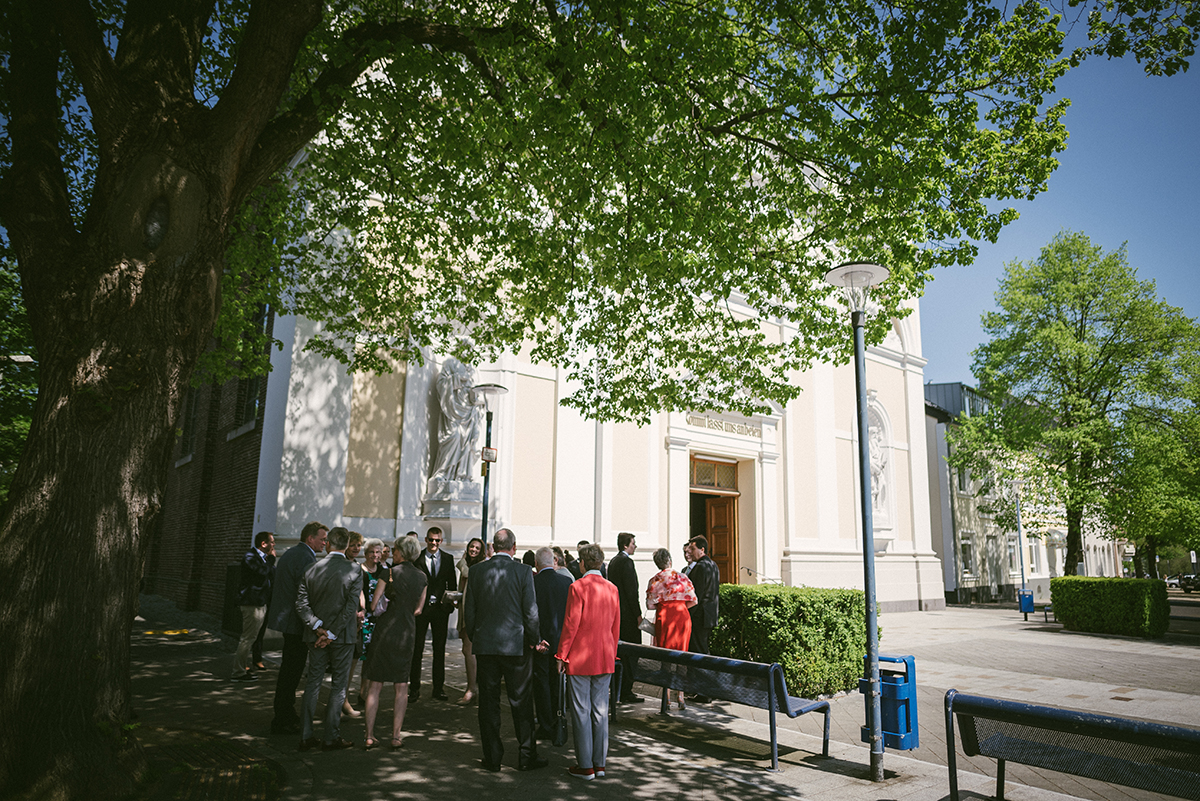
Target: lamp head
[856,277]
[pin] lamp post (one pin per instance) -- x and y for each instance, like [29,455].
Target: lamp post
[857,278]
[1017,484]
[488,455]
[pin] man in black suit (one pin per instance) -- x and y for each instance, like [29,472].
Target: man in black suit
[283,618]
[623,573]
[439,567]
[550,588]
[500,616]
[706,578]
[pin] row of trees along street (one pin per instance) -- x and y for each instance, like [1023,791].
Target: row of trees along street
[1094,388]
[592,181]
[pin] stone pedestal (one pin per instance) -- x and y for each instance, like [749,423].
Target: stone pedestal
[456,507]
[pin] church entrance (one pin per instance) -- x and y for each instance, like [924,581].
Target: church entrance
[713,512]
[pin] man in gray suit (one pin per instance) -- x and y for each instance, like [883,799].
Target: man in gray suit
[500,616]
[282,617]
[329,606]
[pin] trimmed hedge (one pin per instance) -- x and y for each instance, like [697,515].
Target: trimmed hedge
[1136,607]
[816,635]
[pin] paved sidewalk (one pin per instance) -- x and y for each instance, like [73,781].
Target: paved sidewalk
[208,737]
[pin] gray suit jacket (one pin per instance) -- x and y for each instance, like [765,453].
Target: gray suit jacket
[329,593]
[289,569]
[500,612]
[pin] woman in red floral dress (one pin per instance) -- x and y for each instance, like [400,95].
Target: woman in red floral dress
[671,594]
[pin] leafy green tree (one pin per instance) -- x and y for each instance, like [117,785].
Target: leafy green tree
[18,374]
[1153,499]
[597,180]
[1078,348]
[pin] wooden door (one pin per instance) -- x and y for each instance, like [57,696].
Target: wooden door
[720,512]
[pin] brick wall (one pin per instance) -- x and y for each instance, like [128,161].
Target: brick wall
[208,509]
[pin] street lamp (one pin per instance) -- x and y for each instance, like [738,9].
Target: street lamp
[856,278]
[1025,602]
[488,454]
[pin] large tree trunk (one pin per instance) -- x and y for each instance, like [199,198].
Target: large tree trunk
[1074,539]
[119,330]
[121,306]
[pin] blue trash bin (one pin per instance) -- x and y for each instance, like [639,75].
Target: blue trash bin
[897,702]
[1025,599]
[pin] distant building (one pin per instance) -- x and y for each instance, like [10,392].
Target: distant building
[981,562]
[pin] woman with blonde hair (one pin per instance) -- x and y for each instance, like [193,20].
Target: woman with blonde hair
[390,656]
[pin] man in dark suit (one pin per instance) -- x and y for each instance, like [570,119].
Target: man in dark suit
[550,588]
[500,616]
[282,617]
[438,566]
[706,578]
[328,605]
[623,573]
[254,590]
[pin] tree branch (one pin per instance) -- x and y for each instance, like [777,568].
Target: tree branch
[84,44]
[284,136]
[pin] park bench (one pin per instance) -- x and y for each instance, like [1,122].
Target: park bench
[750,683]
[1134,753]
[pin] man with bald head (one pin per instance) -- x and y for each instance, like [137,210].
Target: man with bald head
[500,616]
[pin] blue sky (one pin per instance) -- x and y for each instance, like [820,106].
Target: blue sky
[1130,173]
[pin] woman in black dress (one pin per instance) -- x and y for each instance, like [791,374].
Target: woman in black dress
[390,656]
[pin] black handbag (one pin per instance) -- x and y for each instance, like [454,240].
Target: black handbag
[560,715]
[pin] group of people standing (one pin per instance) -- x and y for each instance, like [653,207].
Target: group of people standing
[516,628]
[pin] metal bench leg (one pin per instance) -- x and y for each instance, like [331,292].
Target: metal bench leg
[774,733]
[1000,780]
[825,743]
[665,707]
[951,757]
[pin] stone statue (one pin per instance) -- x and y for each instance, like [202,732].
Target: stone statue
[459,428]
[879,460]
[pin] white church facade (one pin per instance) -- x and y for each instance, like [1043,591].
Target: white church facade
[776,495]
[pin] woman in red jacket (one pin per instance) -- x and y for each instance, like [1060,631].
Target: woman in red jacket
[587,653]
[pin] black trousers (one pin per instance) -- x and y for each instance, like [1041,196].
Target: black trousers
[628,668]
[517,674]
[291,667]
[439,621]
[699,641]
[546,696]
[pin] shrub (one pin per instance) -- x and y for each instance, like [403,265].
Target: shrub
[816,635]
[1136,607]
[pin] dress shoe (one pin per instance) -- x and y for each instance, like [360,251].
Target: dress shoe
[587,774]
[438,695]
[492,766]
[247,676]
[599,771]
[339,744]
[534,764]
[285,727]
[414,696]
[309,744]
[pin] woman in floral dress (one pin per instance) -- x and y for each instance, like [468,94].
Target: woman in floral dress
[670,594]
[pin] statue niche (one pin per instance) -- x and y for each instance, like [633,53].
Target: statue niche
[451,480]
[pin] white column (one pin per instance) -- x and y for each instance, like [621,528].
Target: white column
[679,494]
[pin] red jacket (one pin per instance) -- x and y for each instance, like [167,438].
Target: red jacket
[589,636]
